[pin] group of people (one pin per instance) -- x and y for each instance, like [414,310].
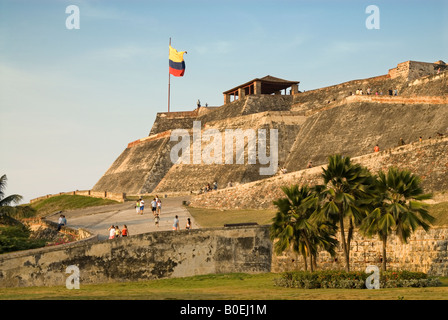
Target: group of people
[115,232]
[61,222]
[401,142]
[156,206]
[378,93]
[208,188]
[176,226]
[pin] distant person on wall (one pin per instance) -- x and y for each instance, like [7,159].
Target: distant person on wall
[61,222]
[401,142]
[117,232]
[188,226]
[376,149]
[176,223]
[198,103]
[309,165]
[215,186]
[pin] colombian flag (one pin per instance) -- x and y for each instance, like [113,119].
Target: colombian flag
[177,64]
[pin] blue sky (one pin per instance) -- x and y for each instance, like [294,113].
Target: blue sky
[71,100]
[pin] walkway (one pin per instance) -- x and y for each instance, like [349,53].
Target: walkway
[98,219]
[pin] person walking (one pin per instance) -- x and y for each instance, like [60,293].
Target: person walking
[188,226]
[159,207]
[154,206]
[137,207]
[176,223]
[142,205]
[156,219]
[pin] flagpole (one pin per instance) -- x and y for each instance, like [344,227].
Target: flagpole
[169,84]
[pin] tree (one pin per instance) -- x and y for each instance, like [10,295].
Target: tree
[397,208]
[292,226]
[346,192]
[6,201]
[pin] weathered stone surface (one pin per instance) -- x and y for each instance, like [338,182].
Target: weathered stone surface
[143,257]
[428,159]
[424,252]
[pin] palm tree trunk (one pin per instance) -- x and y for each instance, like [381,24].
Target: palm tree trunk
[308,251]
[384,253]
[306,261]
[344,243]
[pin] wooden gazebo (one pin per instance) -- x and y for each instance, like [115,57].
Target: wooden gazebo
[265,85]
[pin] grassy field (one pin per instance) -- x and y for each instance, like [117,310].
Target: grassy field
[210,218]
[237,286]
[68,202]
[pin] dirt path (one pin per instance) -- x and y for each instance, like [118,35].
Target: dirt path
[98,219]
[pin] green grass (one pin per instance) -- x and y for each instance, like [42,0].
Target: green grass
[68,202]
[235,286]
[211,218]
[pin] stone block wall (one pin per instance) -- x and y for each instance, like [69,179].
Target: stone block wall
[428,159]
[142,257]
[425,252]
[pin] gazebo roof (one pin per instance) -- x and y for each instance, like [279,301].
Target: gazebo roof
[269,84]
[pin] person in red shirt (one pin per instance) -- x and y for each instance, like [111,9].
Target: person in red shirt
[376,149]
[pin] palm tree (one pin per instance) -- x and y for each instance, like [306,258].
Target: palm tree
[397,208]
[345,194]
[292,226]
[6,201]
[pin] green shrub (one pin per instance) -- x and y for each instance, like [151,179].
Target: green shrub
[14,238]
[353,280]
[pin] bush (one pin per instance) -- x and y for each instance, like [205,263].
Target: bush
[353,280]
[14,238]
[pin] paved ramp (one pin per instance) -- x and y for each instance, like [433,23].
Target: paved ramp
[98,219]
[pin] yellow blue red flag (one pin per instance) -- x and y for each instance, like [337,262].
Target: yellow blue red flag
[177,63]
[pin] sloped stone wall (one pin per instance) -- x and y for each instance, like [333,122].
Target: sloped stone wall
[428,159]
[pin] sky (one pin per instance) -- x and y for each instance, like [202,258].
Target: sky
[71,99]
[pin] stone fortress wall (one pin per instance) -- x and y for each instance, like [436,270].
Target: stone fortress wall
[154,255]
[311,125]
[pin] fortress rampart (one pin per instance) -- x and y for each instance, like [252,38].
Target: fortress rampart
[311,125]
[427,159]
[155,255]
